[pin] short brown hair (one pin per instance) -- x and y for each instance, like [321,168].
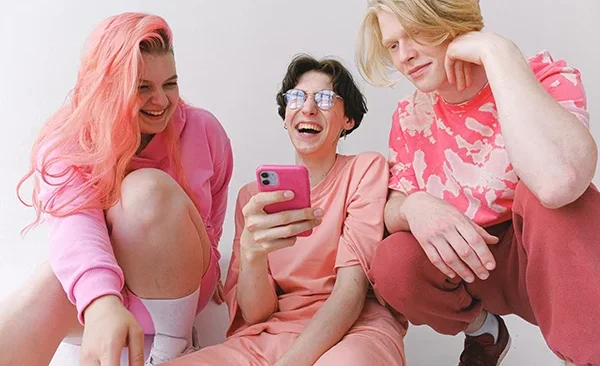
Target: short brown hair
[355,104]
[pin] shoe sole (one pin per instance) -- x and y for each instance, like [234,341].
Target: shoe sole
[503,354]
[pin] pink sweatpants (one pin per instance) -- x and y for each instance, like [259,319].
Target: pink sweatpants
[548,273]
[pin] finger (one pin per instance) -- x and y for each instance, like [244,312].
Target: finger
[467,254]
[468,71]
[261,222]
[258,202]
[85,359]
[436,260]
[219,297]
[221,292]
[452,260]
[284,232]
[112,355]
[487,237]
[449,66]
[459,75]
[135,343]
[475,240]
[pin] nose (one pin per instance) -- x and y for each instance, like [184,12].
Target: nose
[407,51]
[310,106]
[159,97]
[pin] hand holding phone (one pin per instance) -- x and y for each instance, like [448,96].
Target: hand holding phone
[271,178]
[279,213]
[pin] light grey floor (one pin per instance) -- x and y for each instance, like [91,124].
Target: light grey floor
[423,346]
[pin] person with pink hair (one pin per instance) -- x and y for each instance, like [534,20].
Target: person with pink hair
[133,182]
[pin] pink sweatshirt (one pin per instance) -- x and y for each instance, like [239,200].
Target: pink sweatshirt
[81,253]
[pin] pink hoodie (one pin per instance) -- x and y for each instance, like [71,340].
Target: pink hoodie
[81,253]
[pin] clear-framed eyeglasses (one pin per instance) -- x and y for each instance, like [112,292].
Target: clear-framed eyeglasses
[324,99]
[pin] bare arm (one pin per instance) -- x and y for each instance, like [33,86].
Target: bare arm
[394,217]
[551,150]
[264,233]
[332,321]
[255,292]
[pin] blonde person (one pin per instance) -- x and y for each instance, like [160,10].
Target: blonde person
[306,300]
[491,206]
[133,182]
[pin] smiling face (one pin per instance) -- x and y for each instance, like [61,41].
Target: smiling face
[315,132]
[422,64]
[158,92]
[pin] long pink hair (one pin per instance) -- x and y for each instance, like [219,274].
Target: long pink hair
[94,136]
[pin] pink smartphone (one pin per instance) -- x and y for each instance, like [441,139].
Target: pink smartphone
[285,178]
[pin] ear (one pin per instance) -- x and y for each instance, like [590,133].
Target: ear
[349,124]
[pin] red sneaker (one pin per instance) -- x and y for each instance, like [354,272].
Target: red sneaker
[481,350]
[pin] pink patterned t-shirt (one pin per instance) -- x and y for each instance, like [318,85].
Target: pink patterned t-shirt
[456,152]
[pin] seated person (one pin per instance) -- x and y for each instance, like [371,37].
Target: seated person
[306,300]
[491,209]
[135,217]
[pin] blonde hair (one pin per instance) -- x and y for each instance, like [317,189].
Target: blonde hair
[437,21]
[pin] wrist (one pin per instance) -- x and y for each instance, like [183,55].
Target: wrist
[406,207]
[100,305]
[252,259]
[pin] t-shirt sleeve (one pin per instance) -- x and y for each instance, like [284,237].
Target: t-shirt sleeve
[362,228]
[402,176]
[563,83]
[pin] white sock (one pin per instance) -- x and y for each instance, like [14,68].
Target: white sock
[173,321]
[490,325]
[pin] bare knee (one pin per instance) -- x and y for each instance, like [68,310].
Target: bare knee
[157,235]
[147,196]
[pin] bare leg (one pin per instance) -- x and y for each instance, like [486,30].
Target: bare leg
[158,236]
[161,244]
[35,319]
[478,323]
[160,241]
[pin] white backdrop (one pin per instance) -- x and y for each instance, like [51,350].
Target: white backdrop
[231,56]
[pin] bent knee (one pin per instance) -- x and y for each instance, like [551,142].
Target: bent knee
[398,265]
[398,254]
[148,195]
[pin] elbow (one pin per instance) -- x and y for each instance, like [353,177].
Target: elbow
[257,317]
[565,189]
[252,319]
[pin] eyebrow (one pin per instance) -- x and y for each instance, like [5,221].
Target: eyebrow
[149,82]
[386,42]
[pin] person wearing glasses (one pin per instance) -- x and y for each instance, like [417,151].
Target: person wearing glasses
[133,182]
[306,300]
[491,206]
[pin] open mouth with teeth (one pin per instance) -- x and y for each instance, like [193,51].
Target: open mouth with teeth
[309,128]
[153,113]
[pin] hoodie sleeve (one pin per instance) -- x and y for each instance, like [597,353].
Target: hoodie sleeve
[81,254]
